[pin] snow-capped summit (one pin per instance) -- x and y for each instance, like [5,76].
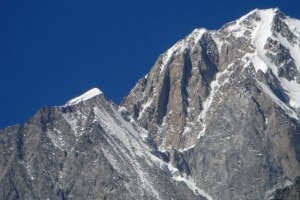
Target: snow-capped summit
[179,90]
[87,95]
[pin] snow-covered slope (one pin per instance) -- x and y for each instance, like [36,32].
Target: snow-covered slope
[272,35]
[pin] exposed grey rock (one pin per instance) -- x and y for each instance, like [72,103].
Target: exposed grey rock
[217,117]
[181,81]
[282,58]
[280,27]
[72,152]
[247,148]
[221,107]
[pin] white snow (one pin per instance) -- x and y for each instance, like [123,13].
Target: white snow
[208,101]
[293,48]
[167,167]
[127,147]
[259,64]
[187,148]
[72,121]
[193,186]
[166,57]
[292,88]
[202,132]
[218,42]
[269,92]
[262,32]
[181,46]
[260,35]
[260,61]
[57,140]
[294,22]
[214,85]
[130,138]
[197,34]
[87,95]
[145,106]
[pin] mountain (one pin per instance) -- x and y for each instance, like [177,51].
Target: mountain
[217,117]
[224,105]
[84,150]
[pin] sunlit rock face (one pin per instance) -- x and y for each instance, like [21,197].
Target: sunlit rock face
[224,105]
[217,117]
[83,150]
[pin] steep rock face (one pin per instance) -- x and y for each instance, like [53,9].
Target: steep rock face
[217,117]
[83,150]
[249,146]
[224,105]
[180,79]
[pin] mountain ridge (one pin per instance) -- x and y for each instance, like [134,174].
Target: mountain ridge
[215,118]
[208,76]
[227,91]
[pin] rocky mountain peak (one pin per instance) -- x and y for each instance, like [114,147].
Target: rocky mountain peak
[86,96]
[86,150]
[174,97]
[216,92]
[217,117]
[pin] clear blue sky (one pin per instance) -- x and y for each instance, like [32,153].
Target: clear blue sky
[51,51]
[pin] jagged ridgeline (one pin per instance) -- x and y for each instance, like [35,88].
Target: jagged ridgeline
[217,117]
